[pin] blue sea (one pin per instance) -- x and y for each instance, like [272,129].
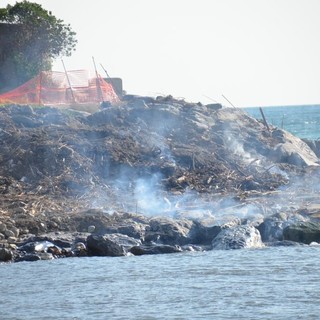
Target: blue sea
[302,121]
[269,283]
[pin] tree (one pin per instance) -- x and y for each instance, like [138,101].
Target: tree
[38,37]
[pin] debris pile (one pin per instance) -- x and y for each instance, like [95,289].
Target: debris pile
[183,146]
[203,148]
[146,155]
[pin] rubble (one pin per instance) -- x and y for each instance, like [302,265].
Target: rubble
[114,170]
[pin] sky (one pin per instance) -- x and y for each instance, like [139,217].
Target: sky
[252,52]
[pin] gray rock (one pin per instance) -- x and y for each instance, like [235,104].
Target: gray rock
[91,229]
[202,235]
[5,255]
[238,237]
[304,232]
[133,229]
[154,249]
[214,106]
[12,240]
[98,245]
[125,241]
[128,224]
[294,151]
[169,231]
[16,231]
[9,233]
[3,227]
[271,229]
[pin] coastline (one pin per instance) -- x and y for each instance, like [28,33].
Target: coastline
[153,175]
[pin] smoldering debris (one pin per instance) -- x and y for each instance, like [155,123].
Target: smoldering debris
[151,176]
[159,156]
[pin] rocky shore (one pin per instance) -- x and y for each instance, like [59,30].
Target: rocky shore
[151,176]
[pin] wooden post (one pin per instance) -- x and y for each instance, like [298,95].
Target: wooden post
[65,71]
[105,71]
[227,100]
[264,119]
[99,90]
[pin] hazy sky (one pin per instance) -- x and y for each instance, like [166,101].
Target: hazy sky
[254,52]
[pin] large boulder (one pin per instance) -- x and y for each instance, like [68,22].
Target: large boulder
[293,150]
[180,232]
[304,232]
[168,231]
[113,245]
[123,240]
[238,237]
[5,255]
[202,235]
[99,222]
[271,229]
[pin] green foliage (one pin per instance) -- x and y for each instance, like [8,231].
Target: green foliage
[38,38]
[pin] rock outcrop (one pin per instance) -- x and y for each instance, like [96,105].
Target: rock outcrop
[293,150]
[303,232]
[104,246]
[239,237]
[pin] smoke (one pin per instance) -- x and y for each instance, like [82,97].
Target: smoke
[144,192]
[232,143]
[145,195]
[217,209]
[131,193]
[148,196]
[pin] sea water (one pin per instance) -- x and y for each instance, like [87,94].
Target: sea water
[302,121]
[268,283]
